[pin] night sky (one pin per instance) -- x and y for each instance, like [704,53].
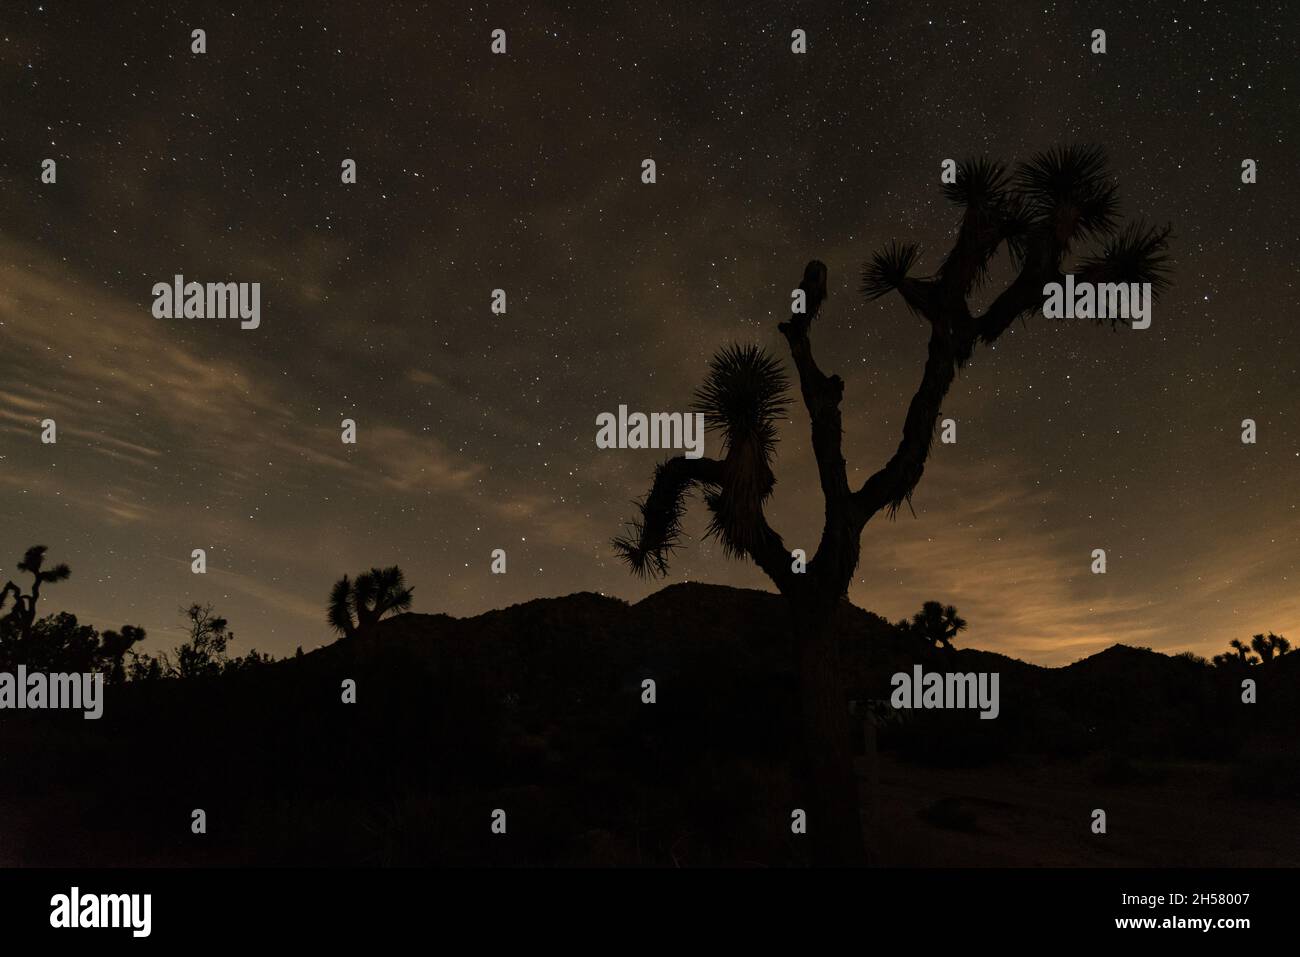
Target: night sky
[522,172]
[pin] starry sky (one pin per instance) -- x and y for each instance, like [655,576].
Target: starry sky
[522,172]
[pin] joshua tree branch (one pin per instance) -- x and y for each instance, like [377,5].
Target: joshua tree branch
[1136,254]
[991,215]
[953,333]
[769,553]
[978,238]
[652,538]
[1023,296]
[655,535]
[821,393]
[893,484]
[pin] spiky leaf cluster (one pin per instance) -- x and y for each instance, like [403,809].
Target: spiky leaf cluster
[1138,253]
[888,268]
[1069,190]
[743,396]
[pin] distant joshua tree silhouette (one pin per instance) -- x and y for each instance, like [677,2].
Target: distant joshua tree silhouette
[1053,202]
[113,648]
[1270,646]
[57,642]
[356,606]
[1239,657]
[1267,647]
[1243,651]
[24,611]
[937,624]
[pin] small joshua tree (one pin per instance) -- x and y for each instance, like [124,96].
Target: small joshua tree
[1039,215]
[356,606]
[1243,651]
[24,611]
[1270,646]
[113,649]
[937,624]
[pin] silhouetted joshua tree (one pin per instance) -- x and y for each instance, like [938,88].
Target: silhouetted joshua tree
[57,642]
[1270,646]
[24,611]
[356,606]
[937,624]
[1040,214]
[112,651]
[1243,651]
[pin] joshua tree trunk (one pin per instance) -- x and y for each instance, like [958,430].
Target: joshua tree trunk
[828,786]
[834,820]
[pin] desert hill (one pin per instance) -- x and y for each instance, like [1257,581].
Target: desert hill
[537,709]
